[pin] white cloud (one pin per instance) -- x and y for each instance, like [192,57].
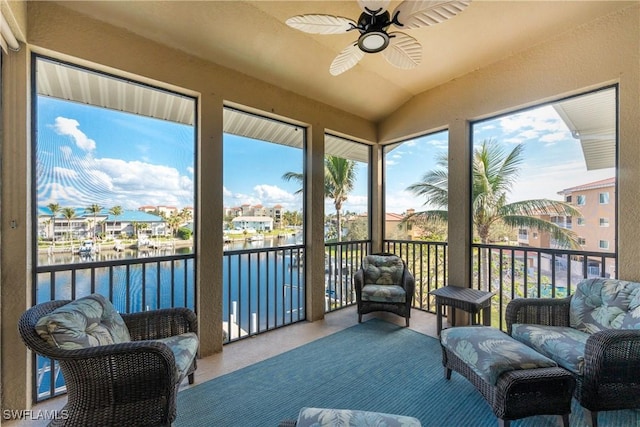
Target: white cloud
[67,152]
[355,203]
[271,194]
[64,173]
[70,127]
[555,137]
[533,124]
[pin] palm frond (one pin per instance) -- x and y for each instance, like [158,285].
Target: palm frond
[295,176]
[563,236]
[431,215]
[540,207]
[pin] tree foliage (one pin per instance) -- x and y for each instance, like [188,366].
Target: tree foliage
[494,172]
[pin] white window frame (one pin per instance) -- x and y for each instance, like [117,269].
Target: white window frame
[604,195]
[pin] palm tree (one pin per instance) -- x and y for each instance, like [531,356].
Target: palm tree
[69,214]
[174,222]
[494,174]
[185,214]
[143,226]
[339,178]
[116,211]
[95,210]
[54,208]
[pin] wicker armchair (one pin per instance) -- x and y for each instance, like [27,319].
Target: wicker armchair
[609,377]
[384,283]
[132,383]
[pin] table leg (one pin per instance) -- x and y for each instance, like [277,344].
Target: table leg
[486,315]
[452,310]
[438,317]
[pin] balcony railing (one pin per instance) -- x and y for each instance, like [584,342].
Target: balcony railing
[341,261]
[526,272]
[264,289]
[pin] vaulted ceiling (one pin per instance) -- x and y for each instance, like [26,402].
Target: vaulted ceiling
[252,37]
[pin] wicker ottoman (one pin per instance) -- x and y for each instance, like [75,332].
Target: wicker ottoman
[515,381]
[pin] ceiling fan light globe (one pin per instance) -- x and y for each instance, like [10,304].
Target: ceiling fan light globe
[374,41]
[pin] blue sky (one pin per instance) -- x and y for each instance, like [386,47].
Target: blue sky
[553,158]
[92,155]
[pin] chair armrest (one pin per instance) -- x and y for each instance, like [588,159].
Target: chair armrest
[162,323]
[538,311]
[409,284]
[127,368]
[358,282]
[611,366]
[612,353]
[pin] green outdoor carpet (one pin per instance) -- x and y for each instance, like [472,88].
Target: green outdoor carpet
[374,366]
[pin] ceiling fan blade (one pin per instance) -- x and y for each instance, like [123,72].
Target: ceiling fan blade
[346,59]
[403,51]
[423,13]
[321,24]
[375,6]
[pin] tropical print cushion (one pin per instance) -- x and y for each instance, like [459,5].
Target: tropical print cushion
[601,303]
[382,269]
[490,352]
[563,344]
[86,322]
[323,417]
[384,293]
[632,319]
[184,348]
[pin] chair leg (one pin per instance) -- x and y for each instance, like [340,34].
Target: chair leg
[191,378]
[564,420]
[503,423]
[407,321]
[359,318]
[591,417]
[447,373]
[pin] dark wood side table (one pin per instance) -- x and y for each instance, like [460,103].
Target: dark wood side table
[473,301]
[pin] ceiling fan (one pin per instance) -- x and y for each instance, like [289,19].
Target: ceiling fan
[398,48]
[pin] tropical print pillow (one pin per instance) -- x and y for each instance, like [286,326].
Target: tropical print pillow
[632,318]
[383,269]
[86,322]
[601,303]
[324,417]
[490,352]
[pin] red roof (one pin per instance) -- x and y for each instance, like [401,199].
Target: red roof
[393,217]
[608,182]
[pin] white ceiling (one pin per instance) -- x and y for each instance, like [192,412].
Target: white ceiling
[251,37]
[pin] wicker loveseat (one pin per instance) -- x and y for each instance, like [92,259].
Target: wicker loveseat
[594,334]
[384,283]
[120,370]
